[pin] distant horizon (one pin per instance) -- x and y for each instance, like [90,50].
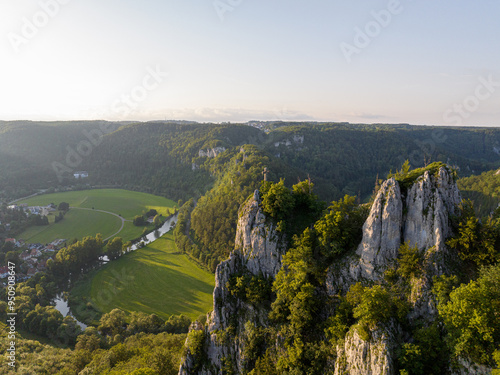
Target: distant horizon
[369,61]
[265,121]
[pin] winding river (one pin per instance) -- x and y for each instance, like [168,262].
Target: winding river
[61,304]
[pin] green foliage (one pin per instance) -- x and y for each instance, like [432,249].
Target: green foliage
[139,221]
[496,357]
[442,287]
[250,288]
[338,325]
[476,242]
[195,345]
[177,324]
[471,317]
[409,261]
[265,365]
[277,200]
[375,306]
[112,323]
[298,304]
[114,248]
[63,206]
[427,355]
[82,255]
[340,229]
[407,178]
[139,354]
[483,190]
[371,306]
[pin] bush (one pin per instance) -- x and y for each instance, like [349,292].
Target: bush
[471,317]
[410,261]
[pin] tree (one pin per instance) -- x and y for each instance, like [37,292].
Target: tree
[340,229]
[7,247]
[63,206]
[476,241]
[157,221]
[409,261]
[277,200]
[114,248]
[112,323]
[471,317]
[139,221]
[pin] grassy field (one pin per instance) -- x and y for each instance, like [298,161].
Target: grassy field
[122,202]
[155,279]
[76,224]
[79,223]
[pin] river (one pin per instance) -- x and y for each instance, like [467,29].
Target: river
[61,304]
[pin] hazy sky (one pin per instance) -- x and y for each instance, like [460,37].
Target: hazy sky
[418,62]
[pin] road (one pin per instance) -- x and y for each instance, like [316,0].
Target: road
[106,212]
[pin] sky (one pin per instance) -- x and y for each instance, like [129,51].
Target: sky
[397,61]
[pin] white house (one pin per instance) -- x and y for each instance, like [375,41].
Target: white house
[81,174]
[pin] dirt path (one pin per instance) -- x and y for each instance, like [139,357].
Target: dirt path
[106,212]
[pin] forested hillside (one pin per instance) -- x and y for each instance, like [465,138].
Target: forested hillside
[220,165]
[483,190]
[406,285]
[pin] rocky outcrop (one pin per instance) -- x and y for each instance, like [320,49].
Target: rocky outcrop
[373,357]
[257,241]
[418,214]
[381,232]
[466,367]
[258,251]
[211,152]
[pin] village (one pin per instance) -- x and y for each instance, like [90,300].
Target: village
[30,257]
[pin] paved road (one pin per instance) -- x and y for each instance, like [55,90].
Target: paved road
[29,196]
[106,212]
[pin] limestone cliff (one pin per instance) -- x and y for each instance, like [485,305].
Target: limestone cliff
[414,210]
[258,251]
[418,214]
[374,357]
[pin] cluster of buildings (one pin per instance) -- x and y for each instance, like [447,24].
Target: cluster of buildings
[34,210]
[33,259]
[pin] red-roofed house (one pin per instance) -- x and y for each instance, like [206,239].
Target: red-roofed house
[25,255]
[35,253]
[31,272]
[4,272]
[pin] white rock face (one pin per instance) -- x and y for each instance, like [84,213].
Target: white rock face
[418,215]
[360,357]
[429,203]
[422,219]
[381,232]
[465,367]
[211,152]
[257,241]
[258,250]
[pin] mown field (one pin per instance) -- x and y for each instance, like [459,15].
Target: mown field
[85,220]
[155,279]
[76,224]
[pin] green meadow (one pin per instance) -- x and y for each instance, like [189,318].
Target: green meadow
[155,279]
[85,219]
